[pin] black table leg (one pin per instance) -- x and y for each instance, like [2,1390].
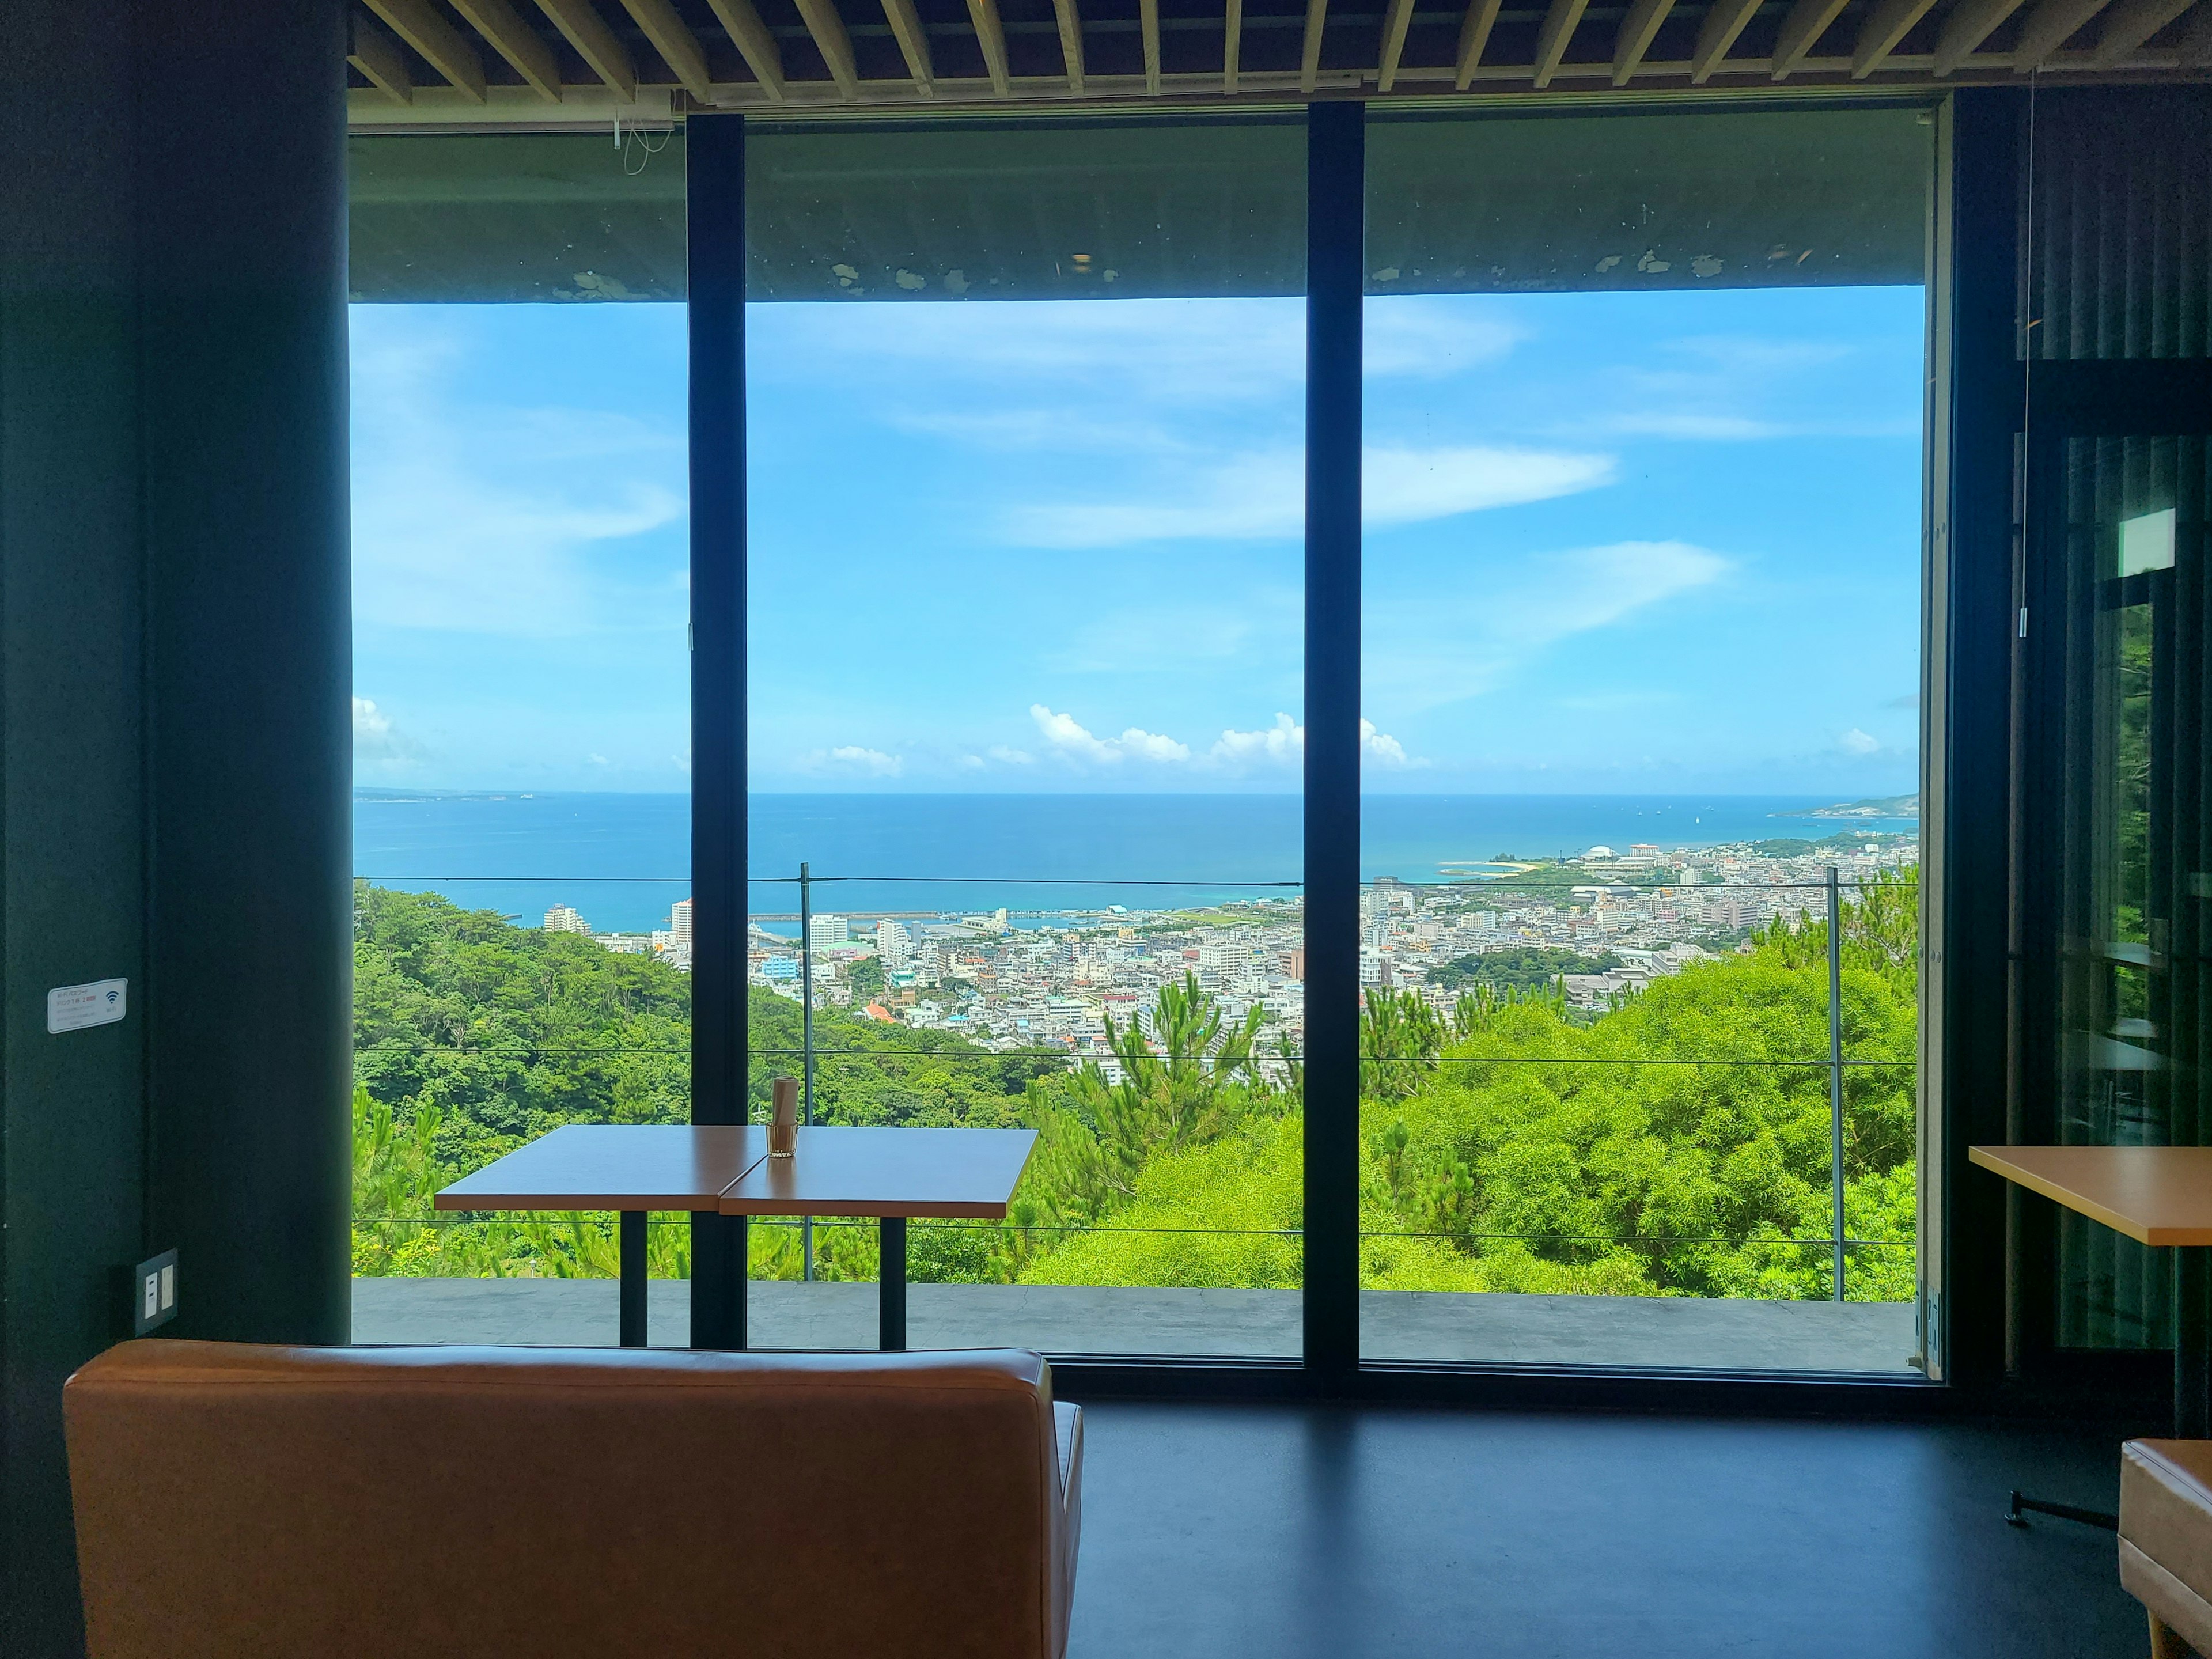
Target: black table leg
[2193,1341]
[890,1288]
[632,1278]
[720,1245]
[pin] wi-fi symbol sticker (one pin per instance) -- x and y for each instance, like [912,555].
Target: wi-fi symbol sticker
[112,996]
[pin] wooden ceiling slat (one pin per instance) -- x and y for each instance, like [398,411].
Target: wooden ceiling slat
[827,29]
[1558,28]
[913,43]
[1233,45]
[1801,27]
[378,56]
[1638,31]
[1396,19]
[1474,40]
[1310,53]
[1148,21]
[2132,23]
[1722,24]
[991,35]
[1071,42]
[671,37]
[595,43]
[439,43]
[1970,22]
[1884,30]
[2048,27]
[516,41]
[750,36]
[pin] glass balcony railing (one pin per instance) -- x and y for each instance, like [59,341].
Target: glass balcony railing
[1627,1166]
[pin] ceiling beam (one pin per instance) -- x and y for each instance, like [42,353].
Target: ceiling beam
[913,43]
[595,43]
[1638,30]
[750,35]
[2048,27]
[442,46]
[378,56]
[991,35]
[1148,20]
[1966,28]
[1885,28]
[1071,42]
[1310,55]
[1552,39]
[516,41]
[2133,22]
[1473,37]
[828,30]
[1233,45]
[1722,24]
[1394,20]
[673,39]
[1801,25]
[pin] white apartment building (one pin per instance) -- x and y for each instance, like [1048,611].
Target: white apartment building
[823,931]
[679,923]
[562,919]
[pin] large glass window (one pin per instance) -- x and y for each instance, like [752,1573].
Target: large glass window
[521,712]
[1642,568]
[1026,408]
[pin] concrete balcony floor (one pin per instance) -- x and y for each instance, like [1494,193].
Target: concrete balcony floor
[1668,1333]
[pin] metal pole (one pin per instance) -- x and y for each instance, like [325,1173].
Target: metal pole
[806,1039]
[1836,1066]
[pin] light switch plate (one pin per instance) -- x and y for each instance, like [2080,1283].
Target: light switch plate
[154,1292]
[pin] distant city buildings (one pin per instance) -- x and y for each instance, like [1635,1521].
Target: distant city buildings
[562,920]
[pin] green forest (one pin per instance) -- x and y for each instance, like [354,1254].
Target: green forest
[1506,1147]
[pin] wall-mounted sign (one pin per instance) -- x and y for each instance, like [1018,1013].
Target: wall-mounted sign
[73,1007]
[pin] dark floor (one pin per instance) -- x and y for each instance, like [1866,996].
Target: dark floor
[1283,1531]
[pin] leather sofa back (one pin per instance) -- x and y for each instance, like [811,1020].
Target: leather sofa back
[234,1500]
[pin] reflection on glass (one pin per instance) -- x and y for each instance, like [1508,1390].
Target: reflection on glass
[2125,648]
[521,716]
[1026,410]
[1641,646]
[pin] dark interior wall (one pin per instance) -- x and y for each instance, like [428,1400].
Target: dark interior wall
[174,702]
[71,668]
[249,669]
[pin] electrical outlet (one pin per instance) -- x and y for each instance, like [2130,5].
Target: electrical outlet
[154,1292]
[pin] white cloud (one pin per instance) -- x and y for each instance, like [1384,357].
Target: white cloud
[1457,640]
[1431,338]
[1263,495]
[873,762]
[486,519]
[1072,741]
[1380,747]
[1856,742]
[374,737]
[1006,757]
[1283,742]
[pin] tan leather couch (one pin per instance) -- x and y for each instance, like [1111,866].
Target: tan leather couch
[2165,1539]
[235,1501]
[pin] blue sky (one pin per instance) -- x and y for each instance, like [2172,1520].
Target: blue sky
[1617,543]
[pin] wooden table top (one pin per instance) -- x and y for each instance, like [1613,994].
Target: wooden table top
[2158,1195]
[879,1172]
[614,1166]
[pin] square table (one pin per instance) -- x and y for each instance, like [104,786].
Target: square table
[2160,1196]
[890,1174]
[632,1168]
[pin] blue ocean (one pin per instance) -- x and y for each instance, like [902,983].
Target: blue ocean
[621,861]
